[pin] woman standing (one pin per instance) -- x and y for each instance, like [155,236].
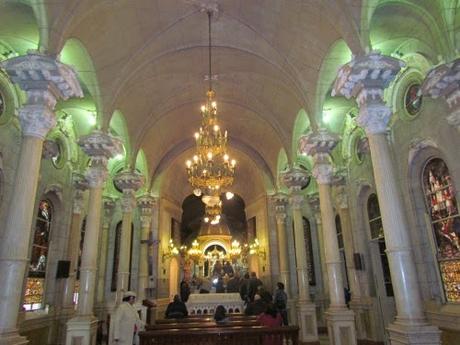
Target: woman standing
[126,323]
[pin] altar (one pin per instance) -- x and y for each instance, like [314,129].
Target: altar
[206,303]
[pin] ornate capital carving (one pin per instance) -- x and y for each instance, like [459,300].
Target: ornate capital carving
[146,202]
[321,142]
[295,179]
[97,174]
[323,171]
[109,205]
[374,117]
[366,78]
[45,80]
[128,200]
[296,201]
[313,200]
[40,72]
[100,146]
[129,181]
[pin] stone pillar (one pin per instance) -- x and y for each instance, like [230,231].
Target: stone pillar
[280,201]
[322,289]
[347,233]
[145,203]
[341,323]
[129,182]
[73,247]
[100,147]
[155,248]
[45,81]
[365,78]
[444,81]
[295,179]
[109,205]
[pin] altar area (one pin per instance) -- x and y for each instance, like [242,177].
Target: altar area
[206,303]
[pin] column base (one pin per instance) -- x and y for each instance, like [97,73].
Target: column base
[12,338]
[401,334]
[341,327]
[81,330]
[363,317]
[306,313]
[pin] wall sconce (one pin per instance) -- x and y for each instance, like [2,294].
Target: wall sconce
[170,252]
[195,253]
[256,249]
[235,251]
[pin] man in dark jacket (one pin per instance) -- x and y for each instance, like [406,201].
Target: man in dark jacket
[254,283]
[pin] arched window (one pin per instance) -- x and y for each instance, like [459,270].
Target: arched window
[377,236]
[116,256]
[309,251]
[442,207]
[35,283]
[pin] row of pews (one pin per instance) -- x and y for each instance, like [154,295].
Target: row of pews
[203,330]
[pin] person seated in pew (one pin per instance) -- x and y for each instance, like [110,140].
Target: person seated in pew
[270,318]
[220,315]
[176,309]
[257,307]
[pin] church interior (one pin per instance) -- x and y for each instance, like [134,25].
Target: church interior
[150,144]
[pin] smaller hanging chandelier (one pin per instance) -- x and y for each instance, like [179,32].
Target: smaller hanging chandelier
[210,170]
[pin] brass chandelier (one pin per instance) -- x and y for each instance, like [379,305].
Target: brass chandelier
[211,170]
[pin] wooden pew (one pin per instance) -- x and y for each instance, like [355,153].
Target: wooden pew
[235,335]
[206,324]
[204,318]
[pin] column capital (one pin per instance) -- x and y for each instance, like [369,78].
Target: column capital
[444,81]
[129,181]
[295,179]
[44,80]
[313,201]
[296,200]
[318,143]
[365,78]
[146,202]
[100,147]
[109,205]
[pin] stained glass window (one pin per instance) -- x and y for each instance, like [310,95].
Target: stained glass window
[376,227]
[33,298]
[309,251]
[412,99]
[442,205]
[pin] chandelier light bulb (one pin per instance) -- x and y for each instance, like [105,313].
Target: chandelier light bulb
[216,128]
[197,135]
[209,155]
[203,108]
[229,195]
[206,219]
[195,158]
[233,162]
[214,104]
[188,163]
[226,157]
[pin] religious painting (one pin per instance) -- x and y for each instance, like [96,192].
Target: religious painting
[413,99]
[252,229]
[309,251]
[442,205]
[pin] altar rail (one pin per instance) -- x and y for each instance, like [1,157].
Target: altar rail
[205,318]
[254,335]
[201,324]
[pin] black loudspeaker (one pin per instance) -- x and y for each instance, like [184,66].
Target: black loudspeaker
[63,268]
[358,261]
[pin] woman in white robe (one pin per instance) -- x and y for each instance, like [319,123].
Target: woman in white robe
[125,322]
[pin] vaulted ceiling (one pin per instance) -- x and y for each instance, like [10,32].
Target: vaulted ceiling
[147,59]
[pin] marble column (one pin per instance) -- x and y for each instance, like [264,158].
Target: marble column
[444,81]
[340,320]
[45,81]
[145,203]
[129,182]
[99,147]
[73,247]
[365,78]
[109,206]
[280,201]
[295,179]
[341,198]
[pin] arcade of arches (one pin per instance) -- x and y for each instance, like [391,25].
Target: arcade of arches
[343,116]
